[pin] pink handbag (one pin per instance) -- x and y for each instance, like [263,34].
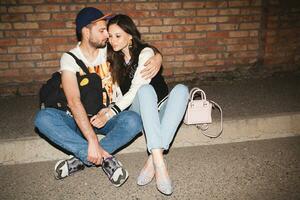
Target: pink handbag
[199,112]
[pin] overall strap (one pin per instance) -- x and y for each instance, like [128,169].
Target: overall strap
[80,63]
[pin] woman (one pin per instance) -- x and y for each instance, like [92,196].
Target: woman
[161,113]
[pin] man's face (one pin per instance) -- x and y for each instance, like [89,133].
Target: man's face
[98,34]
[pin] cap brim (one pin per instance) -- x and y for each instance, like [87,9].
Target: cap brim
[105,17]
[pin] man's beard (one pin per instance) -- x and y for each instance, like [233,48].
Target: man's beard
[97,44]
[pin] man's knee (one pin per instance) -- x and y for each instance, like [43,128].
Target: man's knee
[42,118]
[133,121]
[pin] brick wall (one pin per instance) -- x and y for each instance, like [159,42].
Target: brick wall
[251,37]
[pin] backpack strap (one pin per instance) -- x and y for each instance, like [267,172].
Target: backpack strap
[80,63]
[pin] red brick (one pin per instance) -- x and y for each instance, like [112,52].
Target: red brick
[238,3]
[171,21]
[64,47]
[186,28]
[246,26]
[231,11]
[32,56]
[195,35]
[3,9]
[20,9]
[237,47]
[219,34]
[146,6]
[3,65]
[173,36]
[207,56]
[7,57]
[5,26]
[19,49]
[8,42]
[77,7]
[238,34]
[21,64]
[52,56]
[14,34]
[228,26]
[193,64]
[26,25]
[185,57]
[38,17]
[31,1]
[207,12]
[170,5]
[64,16]
[184,43]
[47,8]
[218,19]
[160,29]
[50,63]
[250,11]
[245,54]
[194,5]
[62,32]
[253,46]
[139,14]
[38,33]
[173,64]
[52,24]
[256,2]
[215,48]
[9,73]
[182,13]
[182,70]
[214,62]
[160,44]
[159,13]
[197,20]
[143,29]
[253,33]
[23,42]
[209,27]
[172,51]
[44,48]
[152,37]
[12,17]
[151,22]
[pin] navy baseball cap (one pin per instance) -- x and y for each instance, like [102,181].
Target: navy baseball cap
[89,15]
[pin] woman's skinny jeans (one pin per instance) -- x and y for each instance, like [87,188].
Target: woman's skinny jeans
[160,125]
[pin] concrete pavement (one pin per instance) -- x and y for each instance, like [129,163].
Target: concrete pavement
[264,170]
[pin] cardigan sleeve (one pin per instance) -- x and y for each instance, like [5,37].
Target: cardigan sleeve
[136,82]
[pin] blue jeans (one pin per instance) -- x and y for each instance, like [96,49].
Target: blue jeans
[61,128]
[160,125]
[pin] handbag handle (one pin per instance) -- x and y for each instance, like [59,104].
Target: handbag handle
[194,91]
[221,122]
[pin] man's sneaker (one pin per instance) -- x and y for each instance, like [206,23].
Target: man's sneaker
[115,171]
[64,168]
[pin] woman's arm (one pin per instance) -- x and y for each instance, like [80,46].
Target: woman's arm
[136,82]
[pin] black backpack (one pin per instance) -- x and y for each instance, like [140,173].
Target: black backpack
[90,86]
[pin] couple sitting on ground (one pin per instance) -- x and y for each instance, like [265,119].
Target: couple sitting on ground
[139,101]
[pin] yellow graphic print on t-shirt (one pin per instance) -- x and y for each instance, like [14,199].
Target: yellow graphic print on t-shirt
[103,71]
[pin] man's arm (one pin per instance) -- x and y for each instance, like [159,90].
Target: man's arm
[70,86]
[153,66]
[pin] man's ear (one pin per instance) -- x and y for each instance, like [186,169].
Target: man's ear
[85,32]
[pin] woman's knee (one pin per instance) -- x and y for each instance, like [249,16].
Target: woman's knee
[146,90]
[181,90]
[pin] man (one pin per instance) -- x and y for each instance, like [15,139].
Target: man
[72,130]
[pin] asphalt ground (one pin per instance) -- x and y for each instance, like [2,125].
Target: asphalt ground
[260,170]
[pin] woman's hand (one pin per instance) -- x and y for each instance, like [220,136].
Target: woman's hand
[152,66]
[101,118]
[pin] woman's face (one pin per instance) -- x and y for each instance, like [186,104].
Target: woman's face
[118,38]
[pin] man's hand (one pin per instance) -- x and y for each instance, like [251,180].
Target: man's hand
[101,118]
[153,66]
[95,153]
